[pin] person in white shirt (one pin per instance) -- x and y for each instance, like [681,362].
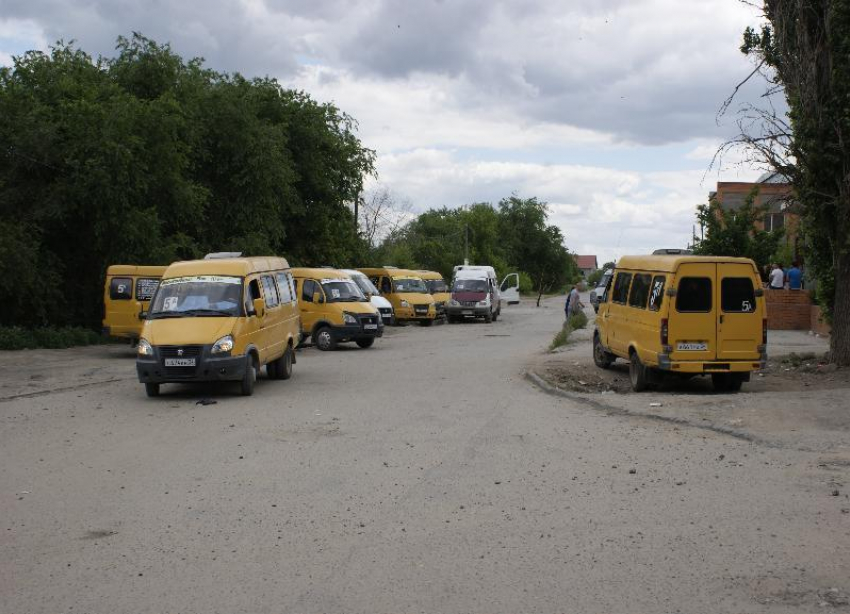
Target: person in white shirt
[777,278]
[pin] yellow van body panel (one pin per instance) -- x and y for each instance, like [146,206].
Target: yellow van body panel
[713,308]
[266,336]
[417,306]
[126,293]
[440,298]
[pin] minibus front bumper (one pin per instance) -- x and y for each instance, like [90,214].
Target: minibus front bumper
[467,310]
[208,367]
[361,330]
[416,312]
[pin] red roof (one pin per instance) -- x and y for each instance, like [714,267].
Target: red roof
[586,262]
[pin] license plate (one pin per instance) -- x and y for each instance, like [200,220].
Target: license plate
[370,326]
[692,347]
[467,312]
[179,362]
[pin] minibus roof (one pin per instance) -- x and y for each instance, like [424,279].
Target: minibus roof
[392,272]
[132,269]
[319,273]
[226,266]
[669,264]
[430,275]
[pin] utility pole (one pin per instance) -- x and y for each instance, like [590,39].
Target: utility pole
[466,244]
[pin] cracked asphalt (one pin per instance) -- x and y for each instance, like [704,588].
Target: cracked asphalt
[425,474]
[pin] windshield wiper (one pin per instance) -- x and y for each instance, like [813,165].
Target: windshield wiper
[156,315]
[207,312]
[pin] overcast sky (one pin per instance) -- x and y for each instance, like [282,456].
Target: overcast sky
[606,109]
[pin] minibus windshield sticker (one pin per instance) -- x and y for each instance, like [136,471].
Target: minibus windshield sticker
[202,279]
[334,293]
[170,303]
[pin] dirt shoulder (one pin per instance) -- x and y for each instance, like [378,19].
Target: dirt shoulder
[796,402]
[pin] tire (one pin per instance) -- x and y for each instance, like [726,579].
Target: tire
[601,357]
[426,323]
[283,365]
[637,372]
[722,382]
[323,338]
[250,377]
[489,317]
[365,342]
[152,390]
[496,314]
[735,384]
[271,369]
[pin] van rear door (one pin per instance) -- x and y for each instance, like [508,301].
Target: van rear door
[692,323]
[739,328]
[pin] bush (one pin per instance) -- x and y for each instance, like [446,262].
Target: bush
[578,320]
[18,338]
[526,286]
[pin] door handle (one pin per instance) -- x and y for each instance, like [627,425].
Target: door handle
[721,319]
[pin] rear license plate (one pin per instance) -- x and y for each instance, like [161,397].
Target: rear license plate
[692,347]
[370,326]
[179,362]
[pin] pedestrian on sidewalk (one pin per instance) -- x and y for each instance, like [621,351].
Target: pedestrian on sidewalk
[574,304]
[777,277]
[794,277]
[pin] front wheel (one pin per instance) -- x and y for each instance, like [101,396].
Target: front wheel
[426,322]
[488,317]
[324,339]
[601,357]
[637,373]
[365,343]
[152,390]
[249,378]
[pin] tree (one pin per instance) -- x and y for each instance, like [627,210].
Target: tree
[804,50]
[735,232]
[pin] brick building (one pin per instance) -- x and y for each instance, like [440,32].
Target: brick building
[586,264]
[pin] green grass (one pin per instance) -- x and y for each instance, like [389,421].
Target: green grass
[577,321]
[18,338]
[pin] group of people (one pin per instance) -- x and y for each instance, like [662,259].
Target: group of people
[791,279]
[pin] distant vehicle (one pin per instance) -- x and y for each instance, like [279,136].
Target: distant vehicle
[673,251]
[438,289]
[508,291]
[474,293]
[126,293]
[683,316]
[599,290]
[384,307]
[407,292]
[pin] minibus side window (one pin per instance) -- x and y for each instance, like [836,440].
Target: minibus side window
[694,295]
[270,291]
[253,293]
[121,289]
[308,289]
[621,288]
[737,295]
[146,287]
[284,288]
[640,290]
[656,296]
[386,286]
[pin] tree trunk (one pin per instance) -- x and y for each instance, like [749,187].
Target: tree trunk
[540,287]
[839,341]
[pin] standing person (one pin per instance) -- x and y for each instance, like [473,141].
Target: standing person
[574,303]
[777,278]
[795,277]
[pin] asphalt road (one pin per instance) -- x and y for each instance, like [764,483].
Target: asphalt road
[425,474]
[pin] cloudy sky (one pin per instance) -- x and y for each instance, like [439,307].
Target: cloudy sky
[606,109]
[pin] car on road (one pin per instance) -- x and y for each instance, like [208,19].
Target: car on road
[384,307]
[473,295]
[597,292]
[334,309]
[407,292]
[685,316]
[220,319]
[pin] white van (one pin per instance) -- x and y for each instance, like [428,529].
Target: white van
[508,291]
[384,307]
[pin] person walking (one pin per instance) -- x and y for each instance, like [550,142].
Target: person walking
[574,304]
[777,278]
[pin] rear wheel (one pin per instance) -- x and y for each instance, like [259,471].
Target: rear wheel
[637,373]
[323,339]
[250,377]
[365,343]
[283,365]
[601,357]
[152,390]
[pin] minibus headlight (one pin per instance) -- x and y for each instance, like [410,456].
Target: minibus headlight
[485,302]
[404,303]
[144,348]
[348,318]
[223,345]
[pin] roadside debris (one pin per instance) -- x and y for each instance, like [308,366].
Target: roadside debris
[206,402]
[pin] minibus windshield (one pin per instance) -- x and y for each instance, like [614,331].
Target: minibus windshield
[436,285]
[470,285]
[342,290]
[365,285]
[198,295]
[409,284]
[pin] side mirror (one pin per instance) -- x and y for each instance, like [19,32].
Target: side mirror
[317,297]
[259,307]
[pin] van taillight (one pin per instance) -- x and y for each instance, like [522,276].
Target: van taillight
[664,331]
[764,331]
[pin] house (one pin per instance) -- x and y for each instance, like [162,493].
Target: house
[775,192]
[586,264]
